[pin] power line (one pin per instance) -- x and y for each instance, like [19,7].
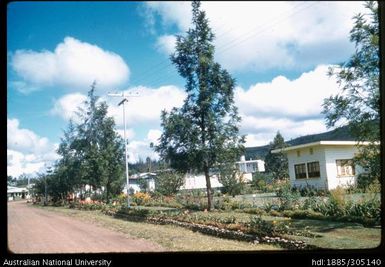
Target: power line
[233,43]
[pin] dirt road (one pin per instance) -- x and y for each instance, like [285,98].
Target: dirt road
[34,230]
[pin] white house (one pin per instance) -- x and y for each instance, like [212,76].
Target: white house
[322,164]
[198,181]
[248,167]
[15,193]
[134,181]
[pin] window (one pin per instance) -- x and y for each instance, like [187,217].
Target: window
[251,167]
[300,171]
[313,169]
[311,151]
[345,167]
[298,153]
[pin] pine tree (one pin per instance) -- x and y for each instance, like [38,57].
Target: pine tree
[277,163]
[196,136]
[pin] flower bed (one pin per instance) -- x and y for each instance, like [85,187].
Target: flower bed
[220,227]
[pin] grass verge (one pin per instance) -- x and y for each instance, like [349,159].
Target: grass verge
[170,237]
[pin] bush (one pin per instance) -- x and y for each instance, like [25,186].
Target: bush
[168,183]
[231,180]
[164,201]
[261,227]
[247,189]
[262,181]
[368,209]
[288,199]
[140,198]
[192,199]
[310,191]
[303,214]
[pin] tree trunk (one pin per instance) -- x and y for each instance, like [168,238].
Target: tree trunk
[208,187]
[107,193]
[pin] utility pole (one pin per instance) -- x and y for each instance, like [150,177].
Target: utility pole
[49,171]
[125,139]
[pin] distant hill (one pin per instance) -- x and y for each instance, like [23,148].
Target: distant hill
[339,134]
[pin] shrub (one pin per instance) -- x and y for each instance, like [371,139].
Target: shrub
[309,203]
[310,191]
[303,214]
[192,200]
[269,206]
[338,196]
[164,201]
[122,198]
[262,181]
[231,180]
[247,189]
[368,209]
[288,199]
[261,227]
[168,183]
[140,198]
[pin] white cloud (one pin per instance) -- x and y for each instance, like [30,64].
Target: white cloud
[266,35]
[18,164]
[67,106]
[282,97]
[26,151]
[73,64]
[147,107]
[292,107]
[130,133]
[154,135]
[170,12]
[140,150]
[166,44]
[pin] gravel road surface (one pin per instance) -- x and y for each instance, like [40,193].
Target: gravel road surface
[34,230]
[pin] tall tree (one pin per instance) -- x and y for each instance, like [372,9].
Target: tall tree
[277,164]
[101,147]
[206,126]
[358,103]
[68,167]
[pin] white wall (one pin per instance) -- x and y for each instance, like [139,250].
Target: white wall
[333,153]
[199,182]
[261,165]
[135,186]
[305,157]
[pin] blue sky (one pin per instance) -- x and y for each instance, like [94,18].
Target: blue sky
[277,52]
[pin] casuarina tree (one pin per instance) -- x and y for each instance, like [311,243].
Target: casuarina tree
[196,136]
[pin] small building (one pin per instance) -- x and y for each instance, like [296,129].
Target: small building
[323,164]
[198,181]
[134,181]
[248,167]
[16,193]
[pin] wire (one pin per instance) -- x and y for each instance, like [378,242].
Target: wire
[233,43]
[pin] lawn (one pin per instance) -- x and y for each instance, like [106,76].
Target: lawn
[338,235]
